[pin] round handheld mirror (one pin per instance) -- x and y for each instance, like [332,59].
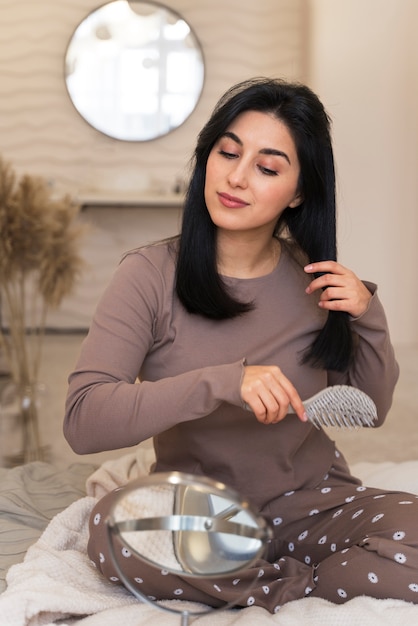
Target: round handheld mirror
[188,525]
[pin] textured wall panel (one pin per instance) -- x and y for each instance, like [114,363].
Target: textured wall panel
[41,132]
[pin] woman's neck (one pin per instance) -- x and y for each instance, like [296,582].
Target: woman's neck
[247,259]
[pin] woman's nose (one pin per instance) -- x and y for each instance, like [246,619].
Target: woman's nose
[237,175]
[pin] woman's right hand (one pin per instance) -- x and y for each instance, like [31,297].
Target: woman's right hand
[267,392]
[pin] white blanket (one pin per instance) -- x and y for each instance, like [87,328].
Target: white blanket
[56,583]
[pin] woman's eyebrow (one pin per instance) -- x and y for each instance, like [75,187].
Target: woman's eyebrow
[271,151]
[275,153]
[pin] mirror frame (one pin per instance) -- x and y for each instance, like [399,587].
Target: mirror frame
[185,519]
[112,133]
[262,531]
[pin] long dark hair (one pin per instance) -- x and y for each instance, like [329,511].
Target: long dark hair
[311,225]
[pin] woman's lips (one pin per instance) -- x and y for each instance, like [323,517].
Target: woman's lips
[231,202]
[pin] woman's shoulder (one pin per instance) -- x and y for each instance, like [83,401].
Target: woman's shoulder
[147,269]
[160,255]
[145,274]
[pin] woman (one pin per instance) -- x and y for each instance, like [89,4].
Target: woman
[249,309]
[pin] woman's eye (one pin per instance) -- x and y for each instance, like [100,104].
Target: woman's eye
[267,171]
[227,155]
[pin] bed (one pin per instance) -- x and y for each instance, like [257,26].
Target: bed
[47,578]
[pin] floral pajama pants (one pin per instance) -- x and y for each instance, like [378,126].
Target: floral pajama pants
[336,541]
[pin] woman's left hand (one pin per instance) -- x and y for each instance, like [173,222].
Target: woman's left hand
[341,289]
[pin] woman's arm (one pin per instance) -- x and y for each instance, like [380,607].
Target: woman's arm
[106,408]
[374,368]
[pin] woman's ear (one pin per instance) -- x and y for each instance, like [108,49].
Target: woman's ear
[297,200]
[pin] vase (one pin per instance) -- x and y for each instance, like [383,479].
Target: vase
[20,440]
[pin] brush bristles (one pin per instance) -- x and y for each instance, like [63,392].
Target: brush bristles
[341,406]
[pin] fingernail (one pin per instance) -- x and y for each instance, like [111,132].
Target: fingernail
[308,268]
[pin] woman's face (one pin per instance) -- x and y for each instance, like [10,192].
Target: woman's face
[252,174]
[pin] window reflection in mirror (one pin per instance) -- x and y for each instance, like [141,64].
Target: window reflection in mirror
[134,70]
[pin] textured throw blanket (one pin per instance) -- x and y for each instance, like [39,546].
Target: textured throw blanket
[56,583]
[30,496]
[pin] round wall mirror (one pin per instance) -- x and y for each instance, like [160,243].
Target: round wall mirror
[134,70]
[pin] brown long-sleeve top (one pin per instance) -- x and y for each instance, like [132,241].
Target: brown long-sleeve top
[190,369]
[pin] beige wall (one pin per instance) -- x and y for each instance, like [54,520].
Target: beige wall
[364,63]
[41,133]
[40,129]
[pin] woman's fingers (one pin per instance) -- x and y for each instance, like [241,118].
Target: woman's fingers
[268,393]
[341,289]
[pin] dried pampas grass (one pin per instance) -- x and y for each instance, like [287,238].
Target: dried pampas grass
[39,265]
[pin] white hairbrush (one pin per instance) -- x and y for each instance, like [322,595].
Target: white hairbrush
[341,406]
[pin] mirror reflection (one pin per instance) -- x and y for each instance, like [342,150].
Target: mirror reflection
[134,70]
[187,525]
